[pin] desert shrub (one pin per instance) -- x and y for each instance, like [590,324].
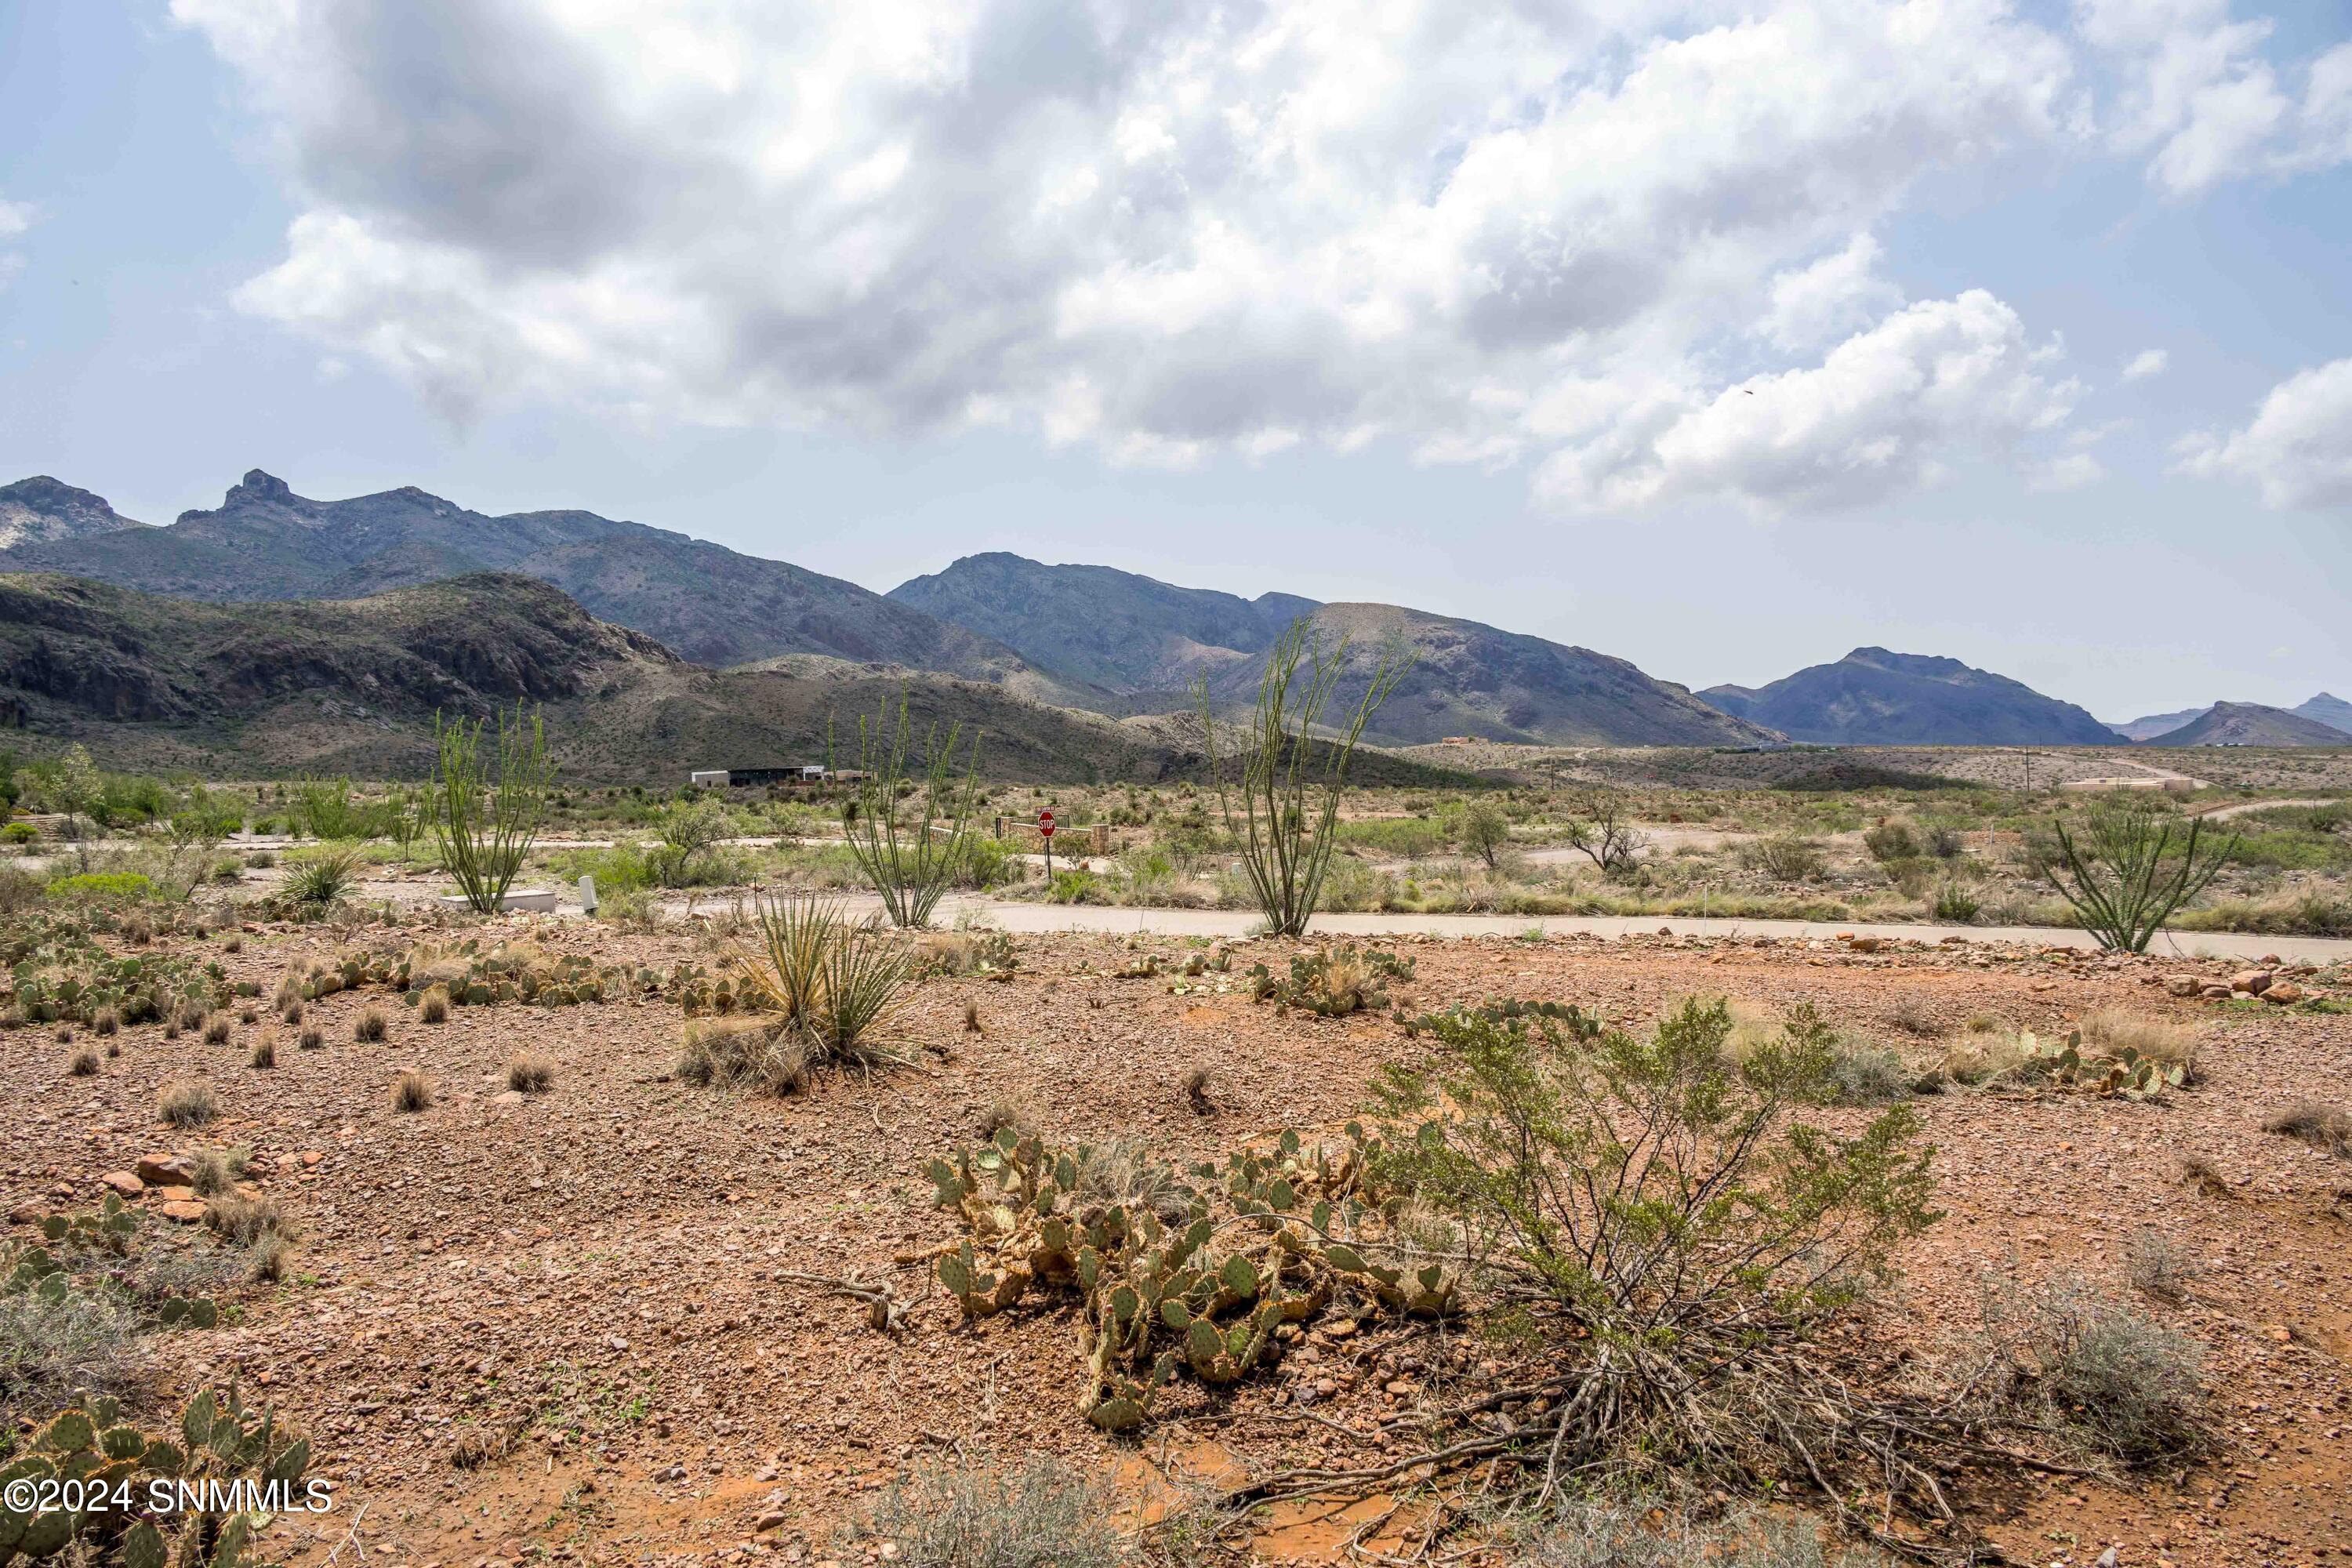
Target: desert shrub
[1913,1016]
[1943,840]
[185,1102]
[116,886]
[1042,1515]
[320,876]
[485,826]
[1615,1183]
[52,1343]
[1956,905]
[2326,1127]
[1784,858]
[1077,886]
[412,1091]
[911,839]
[991,864]
[370,1027]
[242,1221]
[1484,832]
[2116,1383]
[690,833]
[531,1074]
[2157,1266]
[1890,841]
[1868,1075]
[17,834]
[324,809]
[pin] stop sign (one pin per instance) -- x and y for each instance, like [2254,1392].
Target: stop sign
[1045,824]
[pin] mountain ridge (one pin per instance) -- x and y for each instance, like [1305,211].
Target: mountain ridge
[1874,695]
[2252,724]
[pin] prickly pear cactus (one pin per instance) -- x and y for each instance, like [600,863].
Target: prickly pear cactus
[215,1440]
[1209,1277]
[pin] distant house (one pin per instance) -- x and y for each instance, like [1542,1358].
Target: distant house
[749,778]
[1459,740]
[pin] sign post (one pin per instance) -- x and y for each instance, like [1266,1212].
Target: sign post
[1045,832]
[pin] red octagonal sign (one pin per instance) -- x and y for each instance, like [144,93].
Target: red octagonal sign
[1045,824]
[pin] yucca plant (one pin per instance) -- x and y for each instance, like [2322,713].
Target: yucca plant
[832,980]
[789,976]
[322,875]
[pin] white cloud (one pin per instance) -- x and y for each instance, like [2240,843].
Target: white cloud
[1881,412]
[1169,231]
[16,217]
[2146,363]
[2068,472]
[2298,451]
[1810,305]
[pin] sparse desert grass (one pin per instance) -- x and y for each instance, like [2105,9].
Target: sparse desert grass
[1600,1532]
[216,1029]
[1123,1171]
[370,1027]
[105,1021]
[412,1091]
[311,1038]
[1913,1016]
[185,1102]
[265,1052]
[2114,1030]
[242,1221]
[2158,1266]
[433,1007]
[972,1018]
[1007,1113]
[52,1345]
[217,1171]
[2327,1128]
[1196,1093]
[1043,1514]
[746,1053]
[531,1074]
[83,1063]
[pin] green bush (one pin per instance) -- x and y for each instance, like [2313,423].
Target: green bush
[114,885]
[19,833]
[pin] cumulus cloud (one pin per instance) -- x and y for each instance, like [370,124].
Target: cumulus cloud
[2298,451]
[1551,234]
[1882,411]
[16,217]
[2146,363]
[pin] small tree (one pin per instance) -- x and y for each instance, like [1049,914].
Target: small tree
[910,840]
[1597,826]
[324,809]
[190,833]
[486,824]
[2131,867]
[688,831]
[403,815]
[77,791]
[1486,832]
[1282,774]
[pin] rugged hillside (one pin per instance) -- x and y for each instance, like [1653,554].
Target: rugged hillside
[1125,633]
[353,686]
[1471,680]
[41,511]
[2250,724]
[1872,697]
[708,603]
[2330,710]
[1147,641]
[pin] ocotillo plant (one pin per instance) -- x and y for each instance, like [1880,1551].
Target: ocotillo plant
[486,824]
[910,849]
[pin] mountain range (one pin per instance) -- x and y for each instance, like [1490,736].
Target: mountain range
[2252,724]
[990,631]
[1873,697]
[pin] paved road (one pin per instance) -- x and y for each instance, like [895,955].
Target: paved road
[1022,917]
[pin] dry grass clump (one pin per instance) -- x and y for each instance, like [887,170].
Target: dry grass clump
[970,1515]
[412,1091]
[217,1171]
[52,1345]
[1126,1173]
[2114,1031]
[242,1221]
[1911,1015]
[185,1102]
[1600,1532]
[1196,1093]
[370,1027]
[104,1022]
[531,1074]
[265,1052]
[746,1053]
[433,1007]
[311,1038]
[971,1017]
[1005,1114]
[248,1014]
[83,1063]
[2113,1382]
[216,1029]
[2158,1266]
[2326,1127]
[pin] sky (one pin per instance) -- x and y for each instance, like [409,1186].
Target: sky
[1722,337]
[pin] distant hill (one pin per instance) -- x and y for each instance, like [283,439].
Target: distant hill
[1874,698]
[2332,712]
[353,685]
[1145,640]
[2250,724]
[41,511]
[2150,726]
[706,602]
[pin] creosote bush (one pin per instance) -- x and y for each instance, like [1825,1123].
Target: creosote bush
[1668,1217]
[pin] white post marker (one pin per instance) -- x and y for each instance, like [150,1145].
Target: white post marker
[587,895]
